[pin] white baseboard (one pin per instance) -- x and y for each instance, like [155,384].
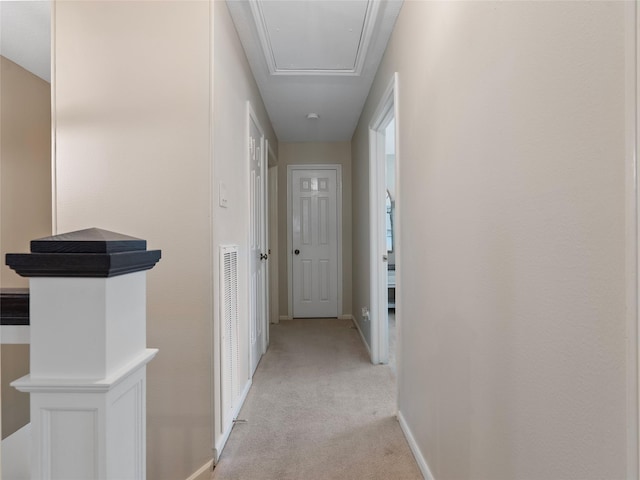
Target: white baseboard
[347,316]
[422,462]
[364,340]
[285,317]
[203,473]
[222,441]
[243,397]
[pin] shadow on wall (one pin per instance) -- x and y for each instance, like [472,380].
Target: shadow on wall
[25,204]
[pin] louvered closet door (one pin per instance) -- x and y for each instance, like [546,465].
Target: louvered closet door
[315,243]
[229,333]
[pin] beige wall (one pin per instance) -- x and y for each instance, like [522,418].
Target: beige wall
[315,153]
[25,168]
[151,117]
[132,113]
[25,204]
[512,282]
[15,405]
[233,86]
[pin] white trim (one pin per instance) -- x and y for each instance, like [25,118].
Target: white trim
[364,341]
[398,238]
[243,397]
[266,233]
[386,110]
[289,246]
[290,169]
[339,206]
[203,473]
[346,316]
[413,445]
[285,318]
[15,334]
[54,129]
[64,385]
[272,241]
[214,274]
[222,441]
[632,249]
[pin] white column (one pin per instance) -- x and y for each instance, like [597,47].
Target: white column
[88,374]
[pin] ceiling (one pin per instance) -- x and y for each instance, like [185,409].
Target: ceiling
[314,56]
[308,56]
[25,35]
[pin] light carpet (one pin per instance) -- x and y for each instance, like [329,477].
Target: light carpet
[318,409]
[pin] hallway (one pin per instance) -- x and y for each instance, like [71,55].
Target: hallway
[318,409]
[517,226]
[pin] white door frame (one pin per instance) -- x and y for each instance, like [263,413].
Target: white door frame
[267,273]
[386,110]
[251,116]
[338,170]
[272,237]
[632,245]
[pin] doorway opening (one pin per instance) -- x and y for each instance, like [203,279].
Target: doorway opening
[390,234]
[384,228]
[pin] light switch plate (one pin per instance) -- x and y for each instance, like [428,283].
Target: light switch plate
[224,201]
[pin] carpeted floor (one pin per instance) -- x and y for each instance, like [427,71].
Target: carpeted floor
[318,409]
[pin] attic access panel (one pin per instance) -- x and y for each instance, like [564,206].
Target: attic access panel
[314,36]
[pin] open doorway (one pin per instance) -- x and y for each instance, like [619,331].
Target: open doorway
[390,235]
[384,223]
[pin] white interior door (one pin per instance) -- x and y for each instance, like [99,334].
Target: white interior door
[257,250]
[314,240]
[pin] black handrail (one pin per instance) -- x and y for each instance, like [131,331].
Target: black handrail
[14,306]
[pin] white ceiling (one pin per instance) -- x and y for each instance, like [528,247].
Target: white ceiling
[25,35]
[307,56]
[314,56]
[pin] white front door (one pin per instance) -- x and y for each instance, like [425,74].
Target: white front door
[257,250]
[314,255]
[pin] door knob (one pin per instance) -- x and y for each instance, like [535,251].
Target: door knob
[263,256]
[296,251]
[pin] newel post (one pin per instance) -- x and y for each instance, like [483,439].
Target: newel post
[87,378]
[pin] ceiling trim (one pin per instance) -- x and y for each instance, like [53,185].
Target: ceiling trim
[371,15]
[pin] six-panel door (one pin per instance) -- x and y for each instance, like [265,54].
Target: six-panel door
[315,243]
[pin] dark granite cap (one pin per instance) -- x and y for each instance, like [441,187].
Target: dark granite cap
[91,240]
[86,253]
[14,306]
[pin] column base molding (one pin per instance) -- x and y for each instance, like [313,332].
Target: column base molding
[84,428]
[81,385]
